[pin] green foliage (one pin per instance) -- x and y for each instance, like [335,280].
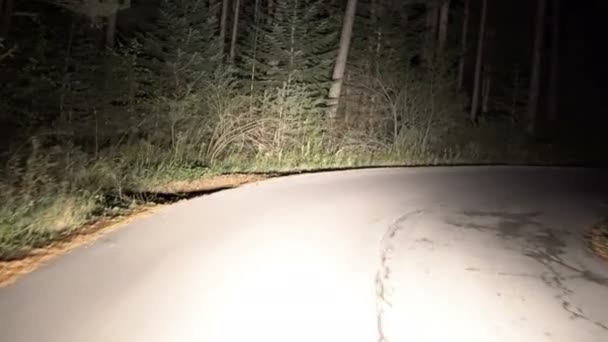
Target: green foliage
[177,60]
[297,45]
[180,48]
[43,197]
[386,38]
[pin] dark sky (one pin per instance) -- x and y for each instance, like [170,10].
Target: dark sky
[584,65]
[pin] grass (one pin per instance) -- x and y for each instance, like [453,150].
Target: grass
[46,198]
[43,201]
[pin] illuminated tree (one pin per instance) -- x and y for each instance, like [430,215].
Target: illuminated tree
[444,14]
[235,28]
[296,48]
[478,63]
[340,65]
[223,24]
[464,43]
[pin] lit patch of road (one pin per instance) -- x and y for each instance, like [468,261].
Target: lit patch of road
[428,254]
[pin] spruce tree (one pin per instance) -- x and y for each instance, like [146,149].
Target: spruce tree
[181,48]
[178,57]
[296,47]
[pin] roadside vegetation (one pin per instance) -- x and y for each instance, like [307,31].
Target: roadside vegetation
[88,130]
[599,239]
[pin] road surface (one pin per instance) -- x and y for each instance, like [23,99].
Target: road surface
[423,254]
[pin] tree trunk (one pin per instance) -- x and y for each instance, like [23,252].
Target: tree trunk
[376,44]
[373,16]
[223,20]
[340,66]
[534,91]
[111,30]
[478,62]
[432,15]
[443,24]
[464,43]
[255,52]
[486,88]
[235,28]
[271,10]
[554,74]
[515,95]
[7,18]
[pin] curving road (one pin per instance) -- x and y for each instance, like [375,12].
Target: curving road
[423,254]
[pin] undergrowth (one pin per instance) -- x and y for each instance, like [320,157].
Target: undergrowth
[50,191]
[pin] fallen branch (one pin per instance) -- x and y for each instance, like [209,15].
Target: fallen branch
[9,53]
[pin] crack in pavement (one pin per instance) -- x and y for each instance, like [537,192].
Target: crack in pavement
[539,242]
[383,273]
[543,246]
[555,280]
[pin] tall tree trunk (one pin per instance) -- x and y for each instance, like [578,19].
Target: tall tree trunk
[464,43]
[292,41]
[374,62]
[223,23]
[554,74]
[373,16]
[534,91]
[515,94]
[235,28]
[271,10]
[111,30]
[478,62]
[7,17]
[443,24]
[255,52]
[340,66]
[486,90]
[376,43]
[432,15]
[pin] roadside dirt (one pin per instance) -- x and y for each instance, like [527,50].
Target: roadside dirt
[598,238]
[11,271]
[206,184]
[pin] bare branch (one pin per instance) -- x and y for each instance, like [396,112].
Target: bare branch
[9,53]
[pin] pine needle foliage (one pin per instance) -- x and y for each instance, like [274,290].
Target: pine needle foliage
[181,47]
[296,46]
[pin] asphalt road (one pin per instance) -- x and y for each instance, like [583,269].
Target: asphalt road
[429,254]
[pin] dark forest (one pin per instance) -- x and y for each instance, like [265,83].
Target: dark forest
[104,101]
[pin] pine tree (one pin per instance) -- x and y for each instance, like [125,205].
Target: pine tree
[297,47]
[182,49]
[178,57]
[386,38]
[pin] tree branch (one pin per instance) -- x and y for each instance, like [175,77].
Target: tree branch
[7,54]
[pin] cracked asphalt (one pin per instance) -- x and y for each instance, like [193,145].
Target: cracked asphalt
[420,254]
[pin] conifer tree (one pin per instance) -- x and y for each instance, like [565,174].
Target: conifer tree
[179,55]
[296,47]
[182,47]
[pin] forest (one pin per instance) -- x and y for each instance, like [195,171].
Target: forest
[102,100]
